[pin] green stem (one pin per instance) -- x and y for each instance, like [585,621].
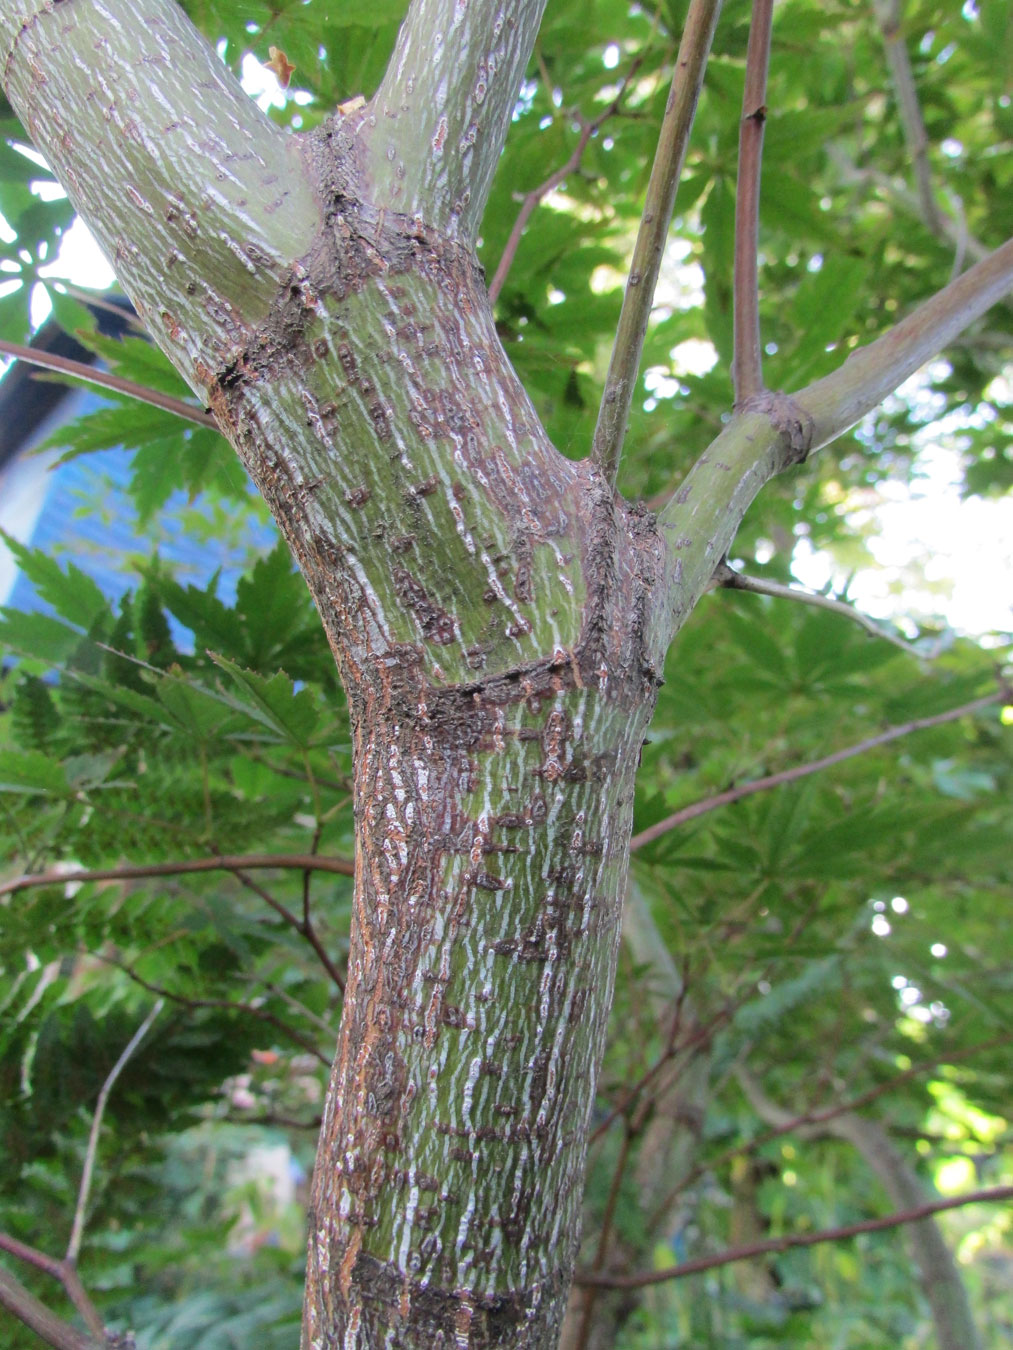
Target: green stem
[649,249]
[747,365]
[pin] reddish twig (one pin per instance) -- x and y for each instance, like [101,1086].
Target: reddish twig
[65,366]
[304,927]
[747,363]
[640,1279]
[181,867]
[774,780]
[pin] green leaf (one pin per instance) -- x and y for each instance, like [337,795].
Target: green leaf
[273,702]
[70,591]
[32,771]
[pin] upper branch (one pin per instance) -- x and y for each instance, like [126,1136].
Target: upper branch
[435,127]
[888,16]
[680,111]
[747,367]
[198,199]
[776,431]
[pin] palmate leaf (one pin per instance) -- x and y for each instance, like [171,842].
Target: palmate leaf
[35,719]
[129,423]
[38,636]
[292,716]
[137,359]
[31,771]
[72,593]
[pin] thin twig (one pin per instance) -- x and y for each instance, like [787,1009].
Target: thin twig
[604,1234]
[303,927]
[676,125]
[181,867]
[727,578]
[538,194]
[747,363]
[84,1190]
[774,780]
[226,1004]
[888,16]
[81,371]
[782,1244]
[818,1116]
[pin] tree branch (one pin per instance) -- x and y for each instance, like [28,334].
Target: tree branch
[840,399]
[182,867]
[63,1270]
[225,1004]
[783,1244]
[137,167]
[304,926]
[774,780]
[728,579]
[888,17]
[775,431]
[538,194]
[940,1277]
[77,1227]
[624,366]
[434,130]
[34,1314]
[816,1117]
[81,371]
[945,228]
[747,363]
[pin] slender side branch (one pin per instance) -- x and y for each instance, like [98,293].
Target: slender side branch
[747,363]
[888,16]
[947,229]
[538,194]
[434,130]
[778,431]
[77,1228]
[773,780]
[727,578]
[992,1195]
[817,1116]
[840,399]
[65,366]
[34,1314]
[304,926]
[181,867]
[680,111]
[225,1004]
[191,283]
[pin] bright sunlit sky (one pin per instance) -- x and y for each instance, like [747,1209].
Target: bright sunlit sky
[939,556]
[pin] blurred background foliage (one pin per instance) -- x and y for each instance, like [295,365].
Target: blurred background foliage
[842,939]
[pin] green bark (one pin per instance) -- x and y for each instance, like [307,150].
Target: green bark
[498,614]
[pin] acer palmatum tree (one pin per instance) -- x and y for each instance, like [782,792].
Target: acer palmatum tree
[499,614]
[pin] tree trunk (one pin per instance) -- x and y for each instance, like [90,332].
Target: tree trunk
[498,614]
